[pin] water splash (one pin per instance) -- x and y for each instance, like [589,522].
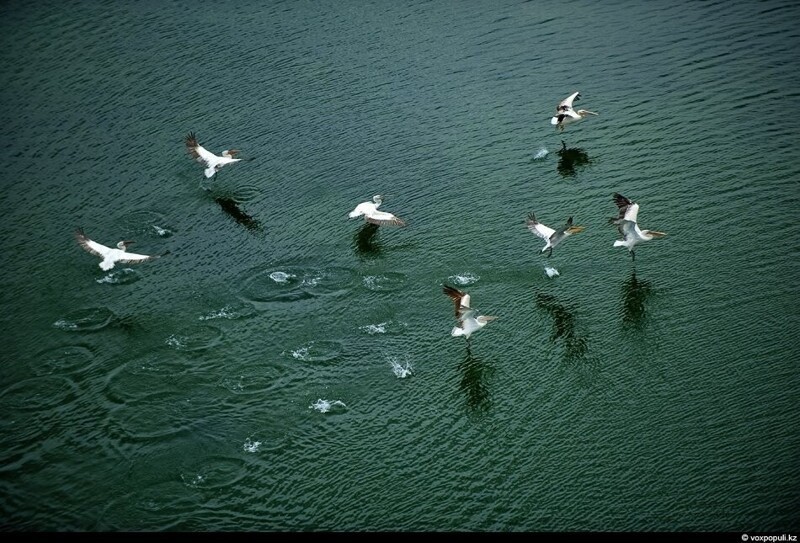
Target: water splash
[324,406]
[464,279]
[251,446]
[400,371]
[301,353]
[281,277]
[372,329]
[162,232]
[540,154]
[120,277]
[550,271]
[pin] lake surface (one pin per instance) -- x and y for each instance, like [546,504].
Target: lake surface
[286,368]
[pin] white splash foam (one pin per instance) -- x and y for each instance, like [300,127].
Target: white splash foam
[301,353]
[312,281]
[400,371]
[176,341]
[463,279]
[251,446]
[551,272]
[226,312]
[65,325]
[323,406]
[541,153]
[372,281]
[162,232]
[379,328]
[281,277]
[117,276]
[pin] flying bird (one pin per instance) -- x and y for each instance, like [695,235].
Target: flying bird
[468,319]
[112,256]
[628,226]
[212,162]
[550,236]
[371,214]
[565,114]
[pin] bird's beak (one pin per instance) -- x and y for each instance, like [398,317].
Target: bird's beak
[489,317]
[129,242]
[576,229]
[657,234]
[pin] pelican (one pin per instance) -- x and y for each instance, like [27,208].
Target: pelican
[112,256]
[213,162]
[373,216]
[628,227]
[468,321]
[550,236]
[566,115]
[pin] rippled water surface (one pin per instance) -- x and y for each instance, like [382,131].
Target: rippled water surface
[285,368]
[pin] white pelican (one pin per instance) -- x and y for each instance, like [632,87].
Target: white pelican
[628,227]
[566,115]
[550,236]
[112,256]
[373,216]
[468,320]
[213,162]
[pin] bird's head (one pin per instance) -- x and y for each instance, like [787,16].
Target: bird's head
[377,198]
[483,319]
[585,112]
[575,229]
[123,245]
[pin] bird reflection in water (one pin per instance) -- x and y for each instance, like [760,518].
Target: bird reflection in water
[634,297]
[231,207]
[575,344]
[365,242]
[570,159]
[474,376]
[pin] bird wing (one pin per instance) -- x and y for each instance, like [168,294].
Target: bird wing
[133,258]
[198,151]
[628,210]
[461,299]
[544,232]
[93,247]
[566,103]
[382,218]
[361,209]
[627,229]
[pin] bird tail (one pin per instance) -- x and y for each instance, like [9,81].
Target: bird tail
[619,243]
[210,171]
[457,332]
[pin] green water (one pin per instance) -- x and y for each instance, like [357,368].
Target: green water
[284,368]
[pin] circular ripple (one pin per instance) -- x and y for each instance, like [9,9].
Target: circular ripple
[138,379]
[124,276]
[385,282]
[293,283]
[64,359]
[214,472]
[197,338]
[316,351]
[85,320]
[39,393]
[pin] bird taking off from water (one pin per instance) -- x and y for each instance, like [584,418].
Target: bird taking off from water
[371,214]
[550,236]
[212,162]
[468,319]
[111,256]
[566,115]
[628,226]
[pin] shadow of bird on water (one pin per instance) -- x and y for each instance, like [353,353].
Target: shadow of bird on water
[570,159]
